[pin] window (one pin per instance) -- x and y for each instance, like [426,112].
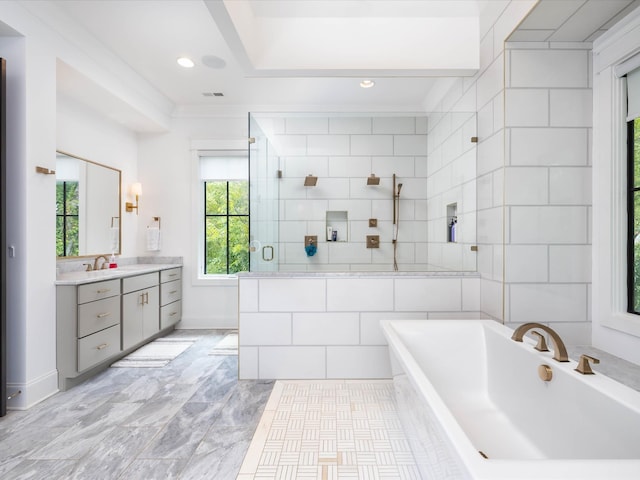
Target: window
[67,231]
[225,195]
[226,226]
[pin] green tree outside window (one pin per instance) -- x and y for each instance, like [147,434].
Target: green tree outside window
[226,226]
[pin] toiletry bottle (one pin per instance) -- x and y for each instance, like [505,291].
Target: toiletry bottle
[329,233]
[112,261]
[454,227]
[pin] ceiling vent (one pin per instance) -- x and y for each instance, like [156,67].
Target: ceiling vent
[212,94]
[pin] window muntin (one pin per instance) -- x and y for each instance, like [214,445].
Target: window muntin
[226,226]
[67,224]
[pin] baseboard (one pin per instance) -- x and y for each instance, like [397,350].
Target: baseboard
[32,392]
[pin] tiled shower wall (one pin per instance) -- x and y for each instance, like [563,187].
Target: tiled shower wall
[548,115]
[342,152]
[328,325]
[451,190]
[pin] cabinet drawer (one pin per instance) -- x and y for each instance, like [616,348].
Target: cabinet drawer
[131,284]
[170,275]
[98,290]
[96,316]
[170,314]
[170,292]
[98,347]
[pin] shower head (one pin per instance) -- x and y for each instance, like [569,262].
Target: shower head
[310,181]
[373,180]
[399,188]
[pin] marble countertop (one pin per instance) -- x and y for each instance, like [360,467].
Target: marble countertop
[81,277]
[355,274]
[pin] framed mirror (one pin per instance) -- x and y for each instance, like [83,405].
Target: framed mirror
[87,207]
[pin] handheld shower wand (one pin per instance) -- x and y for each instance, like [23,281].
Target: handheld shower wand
[396,220]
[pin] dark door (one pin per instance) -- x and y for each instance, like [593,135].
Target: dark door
[3,239]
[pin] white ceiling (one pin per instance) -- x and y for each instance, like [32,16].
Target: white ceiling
[149,35]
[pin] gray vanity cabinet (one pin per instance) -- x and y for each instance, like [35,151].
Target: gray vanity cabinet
[99,322]
[170,297]
[88,330]
[140,308]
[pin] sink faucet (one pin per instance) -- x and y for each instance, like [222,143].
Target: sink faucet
[559,350]
[96,262]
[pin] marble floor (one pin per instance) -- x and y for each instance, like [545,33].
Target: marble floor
[191,419]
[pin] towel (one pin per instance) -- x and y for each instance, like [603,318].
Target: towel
[114,239]
[153,239]
[311,250]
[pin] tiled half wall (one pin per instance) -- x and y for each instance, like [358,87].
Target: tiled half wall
[310,326]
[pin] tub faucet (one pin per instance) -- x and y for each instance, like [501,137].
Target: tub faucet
[559,350]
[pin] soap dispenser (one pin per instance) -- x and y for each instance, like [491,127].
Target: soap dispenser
[112,261]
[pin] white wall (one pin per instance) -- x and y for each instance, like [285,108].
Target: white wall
[484,93]
[32,56]
[168,172]
[328,326]
[342,152]
[451,190]
[614,330]
[548,186]
[82,132]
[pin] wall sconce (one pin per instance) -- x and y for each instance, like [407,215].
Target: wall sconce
[136,189]
[310,181]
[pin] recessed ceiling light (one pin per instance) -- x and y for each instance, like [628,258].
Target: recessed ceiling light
[367,83]
[185,62]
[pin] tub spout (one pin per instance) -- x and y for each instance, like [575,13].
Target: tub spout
[559,350]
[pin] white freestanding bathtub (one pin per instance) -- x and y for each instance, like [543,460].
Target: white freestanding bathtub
[473,406]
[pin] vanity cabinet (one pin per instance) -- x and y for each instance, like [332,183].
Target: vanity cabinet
[99,322]
[170,297]
[88,330]
[140,308]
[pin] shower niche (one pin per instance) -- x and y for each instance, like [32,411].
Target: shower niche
[452,223]
[337,226]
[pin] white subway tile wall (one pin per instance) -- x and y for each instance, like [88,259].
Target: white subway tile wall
[548,187]
[329,327]
[431,160]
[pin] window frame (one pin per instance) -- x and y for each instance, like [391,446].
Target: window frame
[207,148]
[227,215]
[64,215]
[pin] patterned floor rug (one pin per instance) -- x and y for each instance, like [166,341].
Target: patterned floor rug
[156,354]
[227,346]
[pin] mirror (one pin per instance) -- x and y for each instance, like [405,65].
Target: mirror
[87,207]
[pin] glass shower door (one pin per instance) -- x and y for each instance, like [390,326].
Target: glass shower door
[264,165]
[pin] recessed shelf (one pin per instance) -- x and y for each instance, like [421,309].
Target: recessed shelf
[338,223]
[452,223]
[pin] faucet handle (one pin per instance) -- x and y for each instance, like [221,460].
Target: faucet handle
[542,343]
[89,267]
[584,367]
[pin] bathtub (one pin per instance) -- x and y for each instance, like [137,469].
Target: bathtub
[473,406]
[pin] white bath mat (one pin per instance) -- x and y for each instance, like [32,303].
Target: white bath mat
[227,346]
[155,354]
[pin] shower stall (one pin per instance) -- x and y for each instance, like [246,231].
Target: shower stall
[351,211]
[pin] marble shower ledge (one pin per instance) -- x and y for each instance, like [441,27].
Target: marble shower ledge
[356,274]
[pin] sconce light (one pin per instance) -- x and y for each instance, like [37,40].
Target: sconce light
[310,181]
[136,189]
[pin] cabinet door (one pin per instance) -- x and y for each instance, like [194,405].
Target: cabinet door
[132,314]
[151,312]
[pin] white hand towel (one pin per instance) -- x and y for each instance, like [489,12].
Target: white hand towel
[153,239]
[114,239]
